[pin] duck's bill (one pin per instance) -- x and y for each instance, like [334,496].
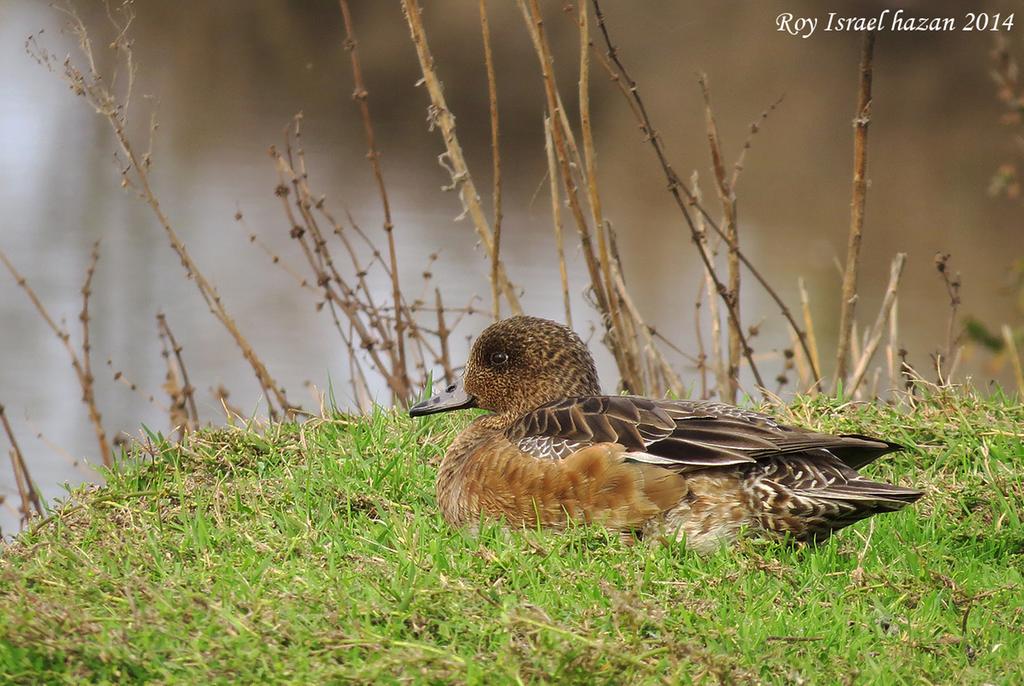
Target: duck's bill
[452,398]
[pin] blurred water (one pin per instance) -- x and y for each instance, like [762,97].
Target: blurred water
[228,77]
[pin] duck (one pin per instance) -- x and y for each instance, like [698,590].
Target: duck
[553,451]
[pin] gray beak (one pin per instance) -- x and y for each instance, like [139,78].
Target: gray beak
[452,398]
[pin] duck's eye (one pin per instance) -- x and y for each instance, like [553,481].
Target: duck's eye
[499,358]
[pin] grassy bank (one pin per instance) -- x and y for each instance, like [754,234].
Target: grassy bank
[315,553]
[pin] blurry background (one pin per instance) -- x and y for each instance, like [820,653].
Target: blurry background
[226,78]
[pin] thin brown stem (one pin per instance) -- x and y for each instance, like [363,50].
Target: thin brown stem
[810,347]
[187,389]
[221,394]
[861,120]
[119,377]
[728,201]
[702,358]
[723,383]
[556,217]
[361,96]
[627,91]
[1014,355]
[675,188]
[892,347]
[675,384]
[589,154]
[90,84]
[952,283]
[492,101]
[318,258]
[80,363]
[88,381]
[26,489]
[174,387]
[755,127]
[84,468]
[622,330]
[443,333]
[878,329]
[531,14]
[622,338]
[628,316]
[453,159]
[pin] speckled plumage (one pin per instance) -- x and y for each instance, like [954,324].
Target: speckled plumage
[554,450]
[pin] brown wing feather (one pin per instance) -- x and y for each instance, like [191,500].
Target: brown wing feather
[681,435]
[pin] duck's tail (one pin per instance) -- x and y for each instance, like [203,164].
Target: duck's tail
[873,495]
[856,500]
[810,496]
[858,450]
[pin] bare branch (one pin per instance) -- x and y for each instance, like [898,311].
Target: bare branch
[187,390]
[810,347]
[90,84]
[443,335]
[1014,354]
[860,186]
[878,329]
[26,489]
[492,100]
[441,116]
[556,215]
[723,382]
[361,95]
[88,381]
[952,283]
[728,201]
[675,187]
[81,364]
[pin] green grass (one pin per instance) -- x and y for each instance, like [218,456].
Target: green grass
[315,554]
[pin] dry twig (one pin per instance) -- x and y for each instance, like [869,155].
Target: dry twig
[722,381]
[677,189]
[590,161]
[492,101]
[952,283]
[453,159]
[560,135]
[361,95]
[26,489]
[620,329]
[1014,353]
[81,363]
[861,120]
[728,201]
[365,325]
[616,70]
[755,127]
[184,413]
[812,340]
[878,329]
[1010,93]
[86,379]
[892,347]
[556,216]
[90,84]
[444,359]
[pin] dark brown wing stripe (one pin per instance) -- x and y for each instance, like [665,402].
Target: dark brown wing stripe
[686,452]
[626,433]
[724,434]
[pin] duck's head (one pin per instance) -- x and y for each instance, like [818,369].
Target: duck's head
[517,365]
